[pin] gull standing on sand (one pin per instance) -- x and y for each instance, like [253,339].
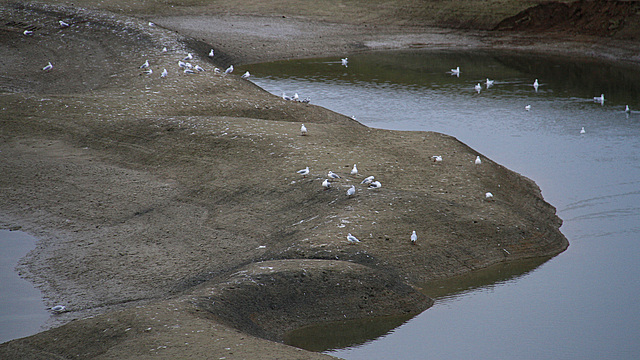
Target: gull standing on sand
[164,49]
[148,71]
[326,184]
[536,84]
[145,65]
[351,191]
[437,158]
[345,62]
[626,109]
[63,24]
[211,54]
[189,71]
[199,68]
[164,73]
[414,237]
[352,239]
[245,75]
[188,57]
[367,180]
[488,196]
[478,160]
[229,70]
[303,130]
[303,172]
[354,171]
[456,71]
[333,175]
[48,67]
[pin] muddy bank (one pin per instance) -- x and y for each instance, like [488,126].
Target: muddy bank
[171,217]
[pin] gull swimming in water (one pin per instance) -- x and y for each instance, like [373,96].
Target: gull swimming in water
[536,84]
[63,24]
[211,54]
[333,175]
[582,130]
[414,237]
[164,73]
[354,171]
[478,160]
[456,71]
[48,67]
[527,107]
[489,83]
[229,70]
[626,109]
[188,57]
[345,62]
[245,75]
[145,65]
[326,184]
[599,99]
[303,172]
[367,180]
[478,88]
[375,185]
[303,130]
[59,309]
[351,191]
[352,239]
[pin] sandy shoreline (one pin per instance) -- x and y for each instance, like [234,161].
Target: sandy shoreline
[141,189]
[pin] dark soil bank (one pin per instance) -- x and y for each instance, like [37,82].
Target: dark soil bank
[171,219]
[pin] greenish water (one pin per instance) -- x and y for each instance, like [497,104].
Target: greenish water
[578,305]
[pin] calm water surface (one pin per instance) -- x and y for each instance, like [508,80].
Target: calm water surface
[22,310]
[581,304]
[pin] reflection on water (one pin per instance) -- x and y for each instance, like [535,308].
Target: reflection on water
[22,310]
[578,305]
[351,333]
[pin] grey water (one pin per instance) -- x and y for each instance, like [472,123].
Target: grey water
[22,309]
[581,304]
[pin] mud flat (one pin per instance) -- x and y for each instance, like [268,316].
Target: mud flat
[171,219]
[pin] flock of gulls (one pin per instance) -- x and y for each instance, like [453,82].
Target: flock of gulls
[536,84]
[184,63]
[368,181]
